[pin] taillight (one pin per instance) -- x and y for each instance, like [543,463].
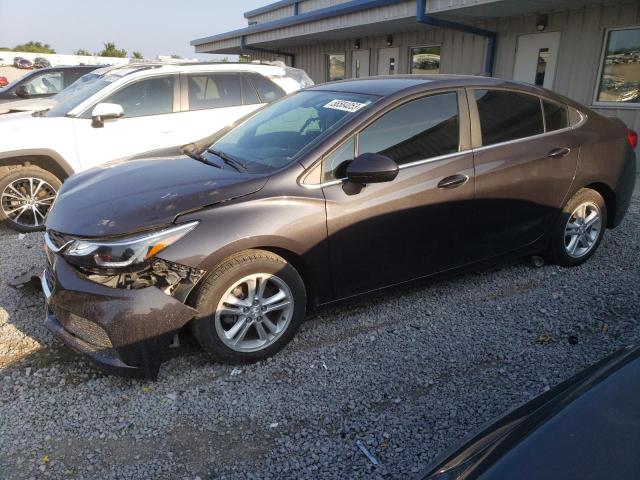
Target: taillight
[632,138]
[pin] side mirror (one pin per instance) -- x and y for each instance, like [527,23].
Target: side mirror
[372,168]
[104,112]
[21,92]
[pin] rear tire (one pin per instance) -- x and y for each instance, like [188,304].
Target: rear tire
[579,228]
[26,195]
[237,326]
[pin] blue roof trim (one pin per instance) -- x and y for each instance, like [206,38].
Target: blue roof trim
[269,8]
[320,14]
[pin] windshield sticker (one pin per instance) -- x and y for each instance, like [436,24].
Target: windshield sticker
[345,105]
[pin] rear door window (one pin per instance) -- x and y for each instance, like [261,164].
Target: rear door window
[267,90]
[72,75]
[506,115]
[214,90]
[555,116]
[420,129]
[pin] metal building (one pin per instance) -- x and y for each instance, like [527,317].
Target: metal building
[588,50]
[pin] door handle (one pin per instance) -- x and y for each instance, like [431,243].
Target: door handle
[559,152]
[453,181]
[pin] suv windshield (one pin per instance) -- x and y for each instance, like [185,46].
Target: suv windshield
[275,135]
[78,92]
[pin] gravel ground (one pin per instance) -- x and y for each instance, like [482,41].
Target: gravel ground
[408,373]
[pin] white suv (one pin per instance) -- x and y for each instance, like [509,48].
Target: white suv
[123,111]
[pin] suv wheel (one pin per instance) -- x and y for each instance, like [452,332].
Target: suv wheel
[579,228]
[251,306]
[26,194]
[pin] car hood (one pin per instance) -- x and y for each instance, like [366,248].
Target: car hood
[26,105]
[135,194]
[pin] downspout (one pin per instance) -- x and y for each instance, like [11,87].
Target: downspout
[244,46]
[490,53]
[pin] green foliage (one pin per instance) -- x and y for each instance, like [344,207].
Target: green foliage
[110,50]
[83,52]
[34,47]
[136,55]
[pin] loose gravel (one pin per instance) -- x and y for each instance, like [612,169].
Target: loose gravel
[408,373]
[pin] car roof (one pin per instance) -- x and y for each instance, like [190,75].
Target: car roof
[392,84]
[130,68]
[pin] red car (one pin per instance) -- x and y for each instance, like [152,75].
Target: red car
[4,82]
[23,63]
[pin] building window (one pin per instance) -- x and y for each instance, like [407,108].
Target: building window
[620,67]
[335,67]
[425,60]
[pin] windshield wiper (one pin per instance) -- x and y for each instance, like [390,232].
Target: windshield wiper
[241,167]
[200,158]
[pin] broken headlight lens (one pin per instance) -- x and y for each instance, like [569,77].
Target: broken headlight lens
[127,251]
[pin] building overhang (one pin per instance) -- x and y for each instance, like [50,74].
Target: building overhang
[282,33]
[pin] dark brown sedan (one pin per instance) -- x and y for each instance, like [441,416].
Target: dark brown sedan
[331,192]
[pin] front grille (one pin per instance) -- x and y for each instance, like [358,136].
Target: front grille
[86,330]
[58,239]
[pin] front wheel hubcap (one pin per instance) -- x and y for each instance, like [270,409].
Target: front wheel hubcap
[26,201]
[254,312]
[582,230]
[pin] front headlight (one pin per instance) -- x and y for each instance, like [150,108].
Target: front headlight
[126,252]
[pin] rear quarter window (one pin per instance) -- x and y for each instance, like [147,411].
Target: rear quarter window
[267,90]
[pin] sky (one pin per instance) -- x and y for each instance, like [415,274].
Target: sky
[152,27]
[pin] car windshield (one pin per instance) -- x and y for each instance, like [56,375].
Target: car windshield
[78,92]
[277,134]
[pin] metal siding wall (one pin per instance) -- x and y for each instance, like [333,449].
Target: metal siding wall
[310,5]
[373,15]
[283,12]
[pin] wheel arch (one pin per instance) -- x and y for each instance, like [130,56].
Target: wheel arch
[293,258]
[45,159]
[609,197]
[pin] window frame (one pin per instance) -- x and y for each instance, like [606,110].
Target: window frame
[596,90]
[327,65]
[86,113]
[464,135]
[410,59]
[476,131]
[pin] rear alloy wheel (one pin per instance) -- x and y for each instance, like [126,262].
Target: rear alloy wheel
[250,307]
[26,195]
[579,229]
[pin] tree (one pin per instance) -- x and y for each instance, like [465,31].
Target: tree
[83,52]
[110,50]
[136,55]
[34,47]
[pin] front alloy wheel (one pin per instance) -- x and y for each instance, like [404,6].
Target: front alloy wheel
[26,196]
[250,306]
[253,313]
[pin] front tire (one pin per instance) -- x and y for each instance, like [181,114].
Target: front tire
[26,195]
[250,307]
[579,228]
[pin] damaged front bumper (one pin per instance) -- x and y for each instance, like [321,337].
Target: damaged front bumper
[123,330]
